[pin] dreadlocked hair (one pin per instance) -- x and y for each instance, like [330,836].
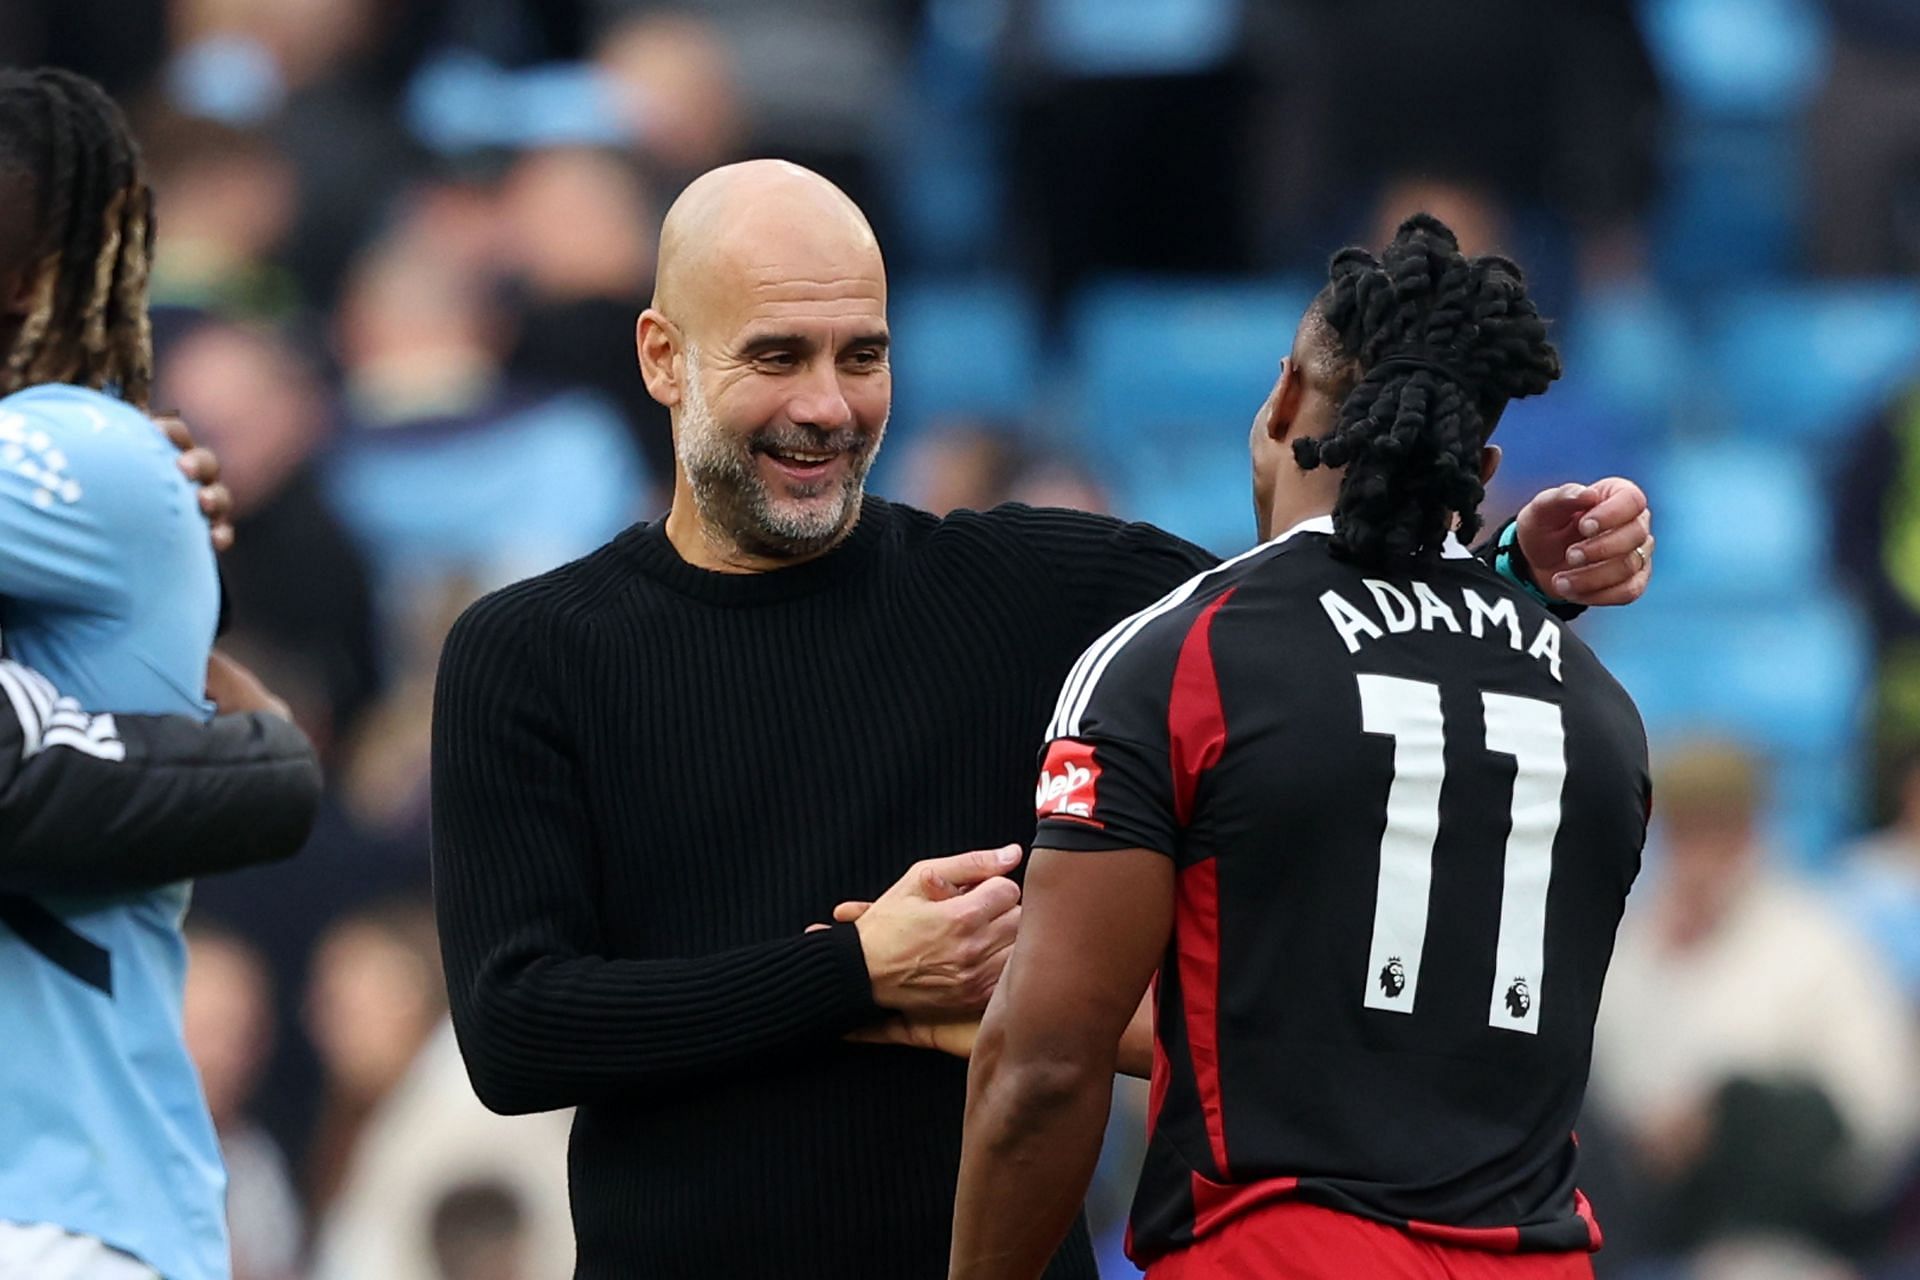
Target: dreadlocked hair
[93,221]
[1438,345]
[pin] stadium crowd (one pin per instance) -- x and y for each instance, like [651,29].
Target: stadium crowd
[401,247]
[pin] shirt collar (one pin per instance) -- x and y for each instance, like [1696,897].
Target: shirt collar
[1451,549]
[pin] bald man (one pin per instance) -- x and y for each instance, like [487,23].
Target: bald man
[659,770]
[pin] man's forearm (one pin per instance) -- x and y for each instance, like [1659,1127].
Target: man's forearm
[543,1032]
[1032,1139]
[115,804]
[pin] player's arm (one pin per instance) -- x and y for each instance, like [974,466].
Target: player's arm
[1580,545]
[1041,1083]
[110,804]
[546,1019]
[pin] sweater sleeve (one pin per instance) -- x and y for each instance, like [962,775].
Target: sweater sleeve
[1100,569]
[545,1017]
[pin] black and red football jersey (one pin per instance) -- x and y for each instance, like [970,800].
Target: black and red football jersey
[1405,810]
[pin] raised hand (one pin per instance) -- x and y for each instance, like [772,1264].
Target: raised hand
[1589,544]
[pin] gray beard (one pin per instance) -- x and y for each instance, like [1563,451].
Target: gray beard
[734,502]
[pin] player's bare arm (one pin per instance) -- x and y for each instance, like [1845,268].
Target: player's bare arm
[1042,1077]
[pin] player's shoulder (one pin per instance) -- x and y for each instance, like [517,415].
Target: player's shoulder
[1134,660]
[73,412]
[66,439]
[1065,538]
[558,599]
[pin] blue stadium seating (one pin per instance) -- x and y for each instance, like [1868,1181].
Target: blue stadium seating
[964,346]
[1807,363]
[1136,37]
[1731,205]
[1629,350]
[1787,678]
[1170,376]
[1737,58]
[1737,522]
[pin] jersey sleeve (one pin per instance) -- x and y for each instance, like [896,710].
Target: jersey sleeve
[65,481]
[95,804]
[1109,771]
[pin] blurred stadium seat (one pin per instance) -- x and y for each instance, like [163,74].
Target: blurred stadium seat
[1170,376]
[1629,349]
[1809,363]
[967,346]
[1787,677]
[1748,59]
[1738,523]
[1137,37]
[1731,206]
[1739,73]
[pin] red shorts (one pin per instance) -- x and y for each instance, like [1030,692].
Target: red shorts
[1295,1241]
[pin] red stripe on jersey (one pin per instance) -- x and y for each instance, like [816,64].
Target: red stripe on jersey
[1584,1207]
[1162,1069]
[1197,730]
[1491,1239]
[1215,1203]
[1196,724]
[1196,942]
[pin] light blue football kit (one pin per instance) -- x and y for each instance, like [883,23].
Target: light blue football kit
[107,588]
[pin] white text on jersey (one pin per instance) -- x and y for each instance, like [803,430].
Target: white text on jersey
[1425,610]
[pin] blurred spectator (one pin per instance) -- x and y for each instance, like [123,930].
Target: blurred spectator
[1769,1258]
[448,466]
[375,997]
[1876,522]
[479,1233]
[1863,177]
[1053,480]
[229,202]
[302,607]
[677,89]
[810,80]
[310,73]
[1476,215]
[1547,106]
[1754,1050]
[578,233]
[1092,87]
[228,1018]
[1879,880]
[960,463]
[411,1207]
[120,43]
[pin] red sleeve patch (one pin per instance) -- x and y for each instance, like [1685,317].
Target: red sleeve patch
[1068,781]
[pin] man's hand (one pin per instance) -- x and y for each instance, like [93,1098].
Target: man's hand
[936,941]
[234,689]
[203,468]
[947,1036]
[1589,544]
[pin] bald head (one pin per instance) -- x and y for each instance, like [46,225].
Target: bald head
[754,224]
[767,339]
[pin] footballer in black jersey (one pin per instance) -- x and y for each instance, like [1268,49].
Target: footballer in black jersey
[1364,813]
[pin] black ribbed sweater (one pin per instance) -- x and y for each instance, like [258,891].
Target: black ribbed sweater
[650,779]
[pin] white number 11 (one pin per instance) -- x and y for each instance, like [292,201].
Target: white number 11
[1529,730]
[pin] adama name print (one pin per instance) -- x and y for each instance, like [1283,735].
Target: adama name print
[1395,612]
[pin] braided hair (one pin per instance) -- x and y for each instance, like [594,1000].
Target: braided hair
[1436,345]
[63,138]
